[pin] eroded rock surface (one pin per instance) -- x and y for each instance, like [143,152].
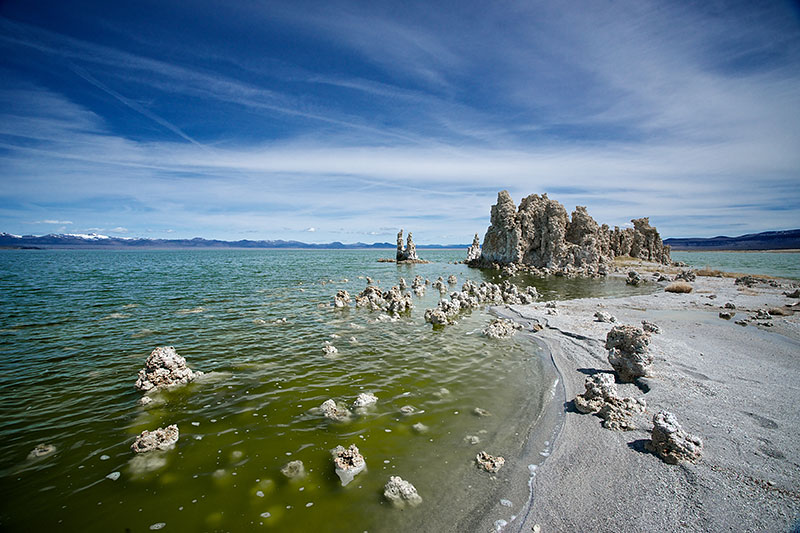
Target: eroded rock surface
[400,492]
[393,301]
[670,442]
[501,327]
[409,252]
[348,463]
[601,398]
[628,352]
[164,368]
[490,463]
[159,439]
[541,235]
[474,251]
[333,411]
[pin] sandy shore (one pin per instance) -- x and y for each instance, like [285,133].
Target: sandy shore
[737,387]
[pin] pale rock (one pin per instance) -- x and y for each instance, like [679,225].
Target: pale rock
[342,299]
[650,327]
[670,442]
[159,439]
[604,316]
[329,349]
[452,279]
[164,368]
[501,327]
[41,450]
[365,399]
[332,411]
[628,352]
[490,463]
[294,470]
[474,251]
[400,492]
[348,463]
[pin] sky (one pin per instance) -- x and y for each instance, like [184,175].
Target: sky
[346,121]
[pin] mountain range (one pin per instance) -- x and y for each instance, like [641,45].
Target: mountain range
[768,240]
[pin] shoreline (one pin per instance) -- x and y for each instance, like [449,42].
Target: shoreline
[766,251]
[728,384]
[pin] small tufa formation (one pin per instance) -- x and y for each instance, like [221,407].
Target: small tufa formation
[501,327]
[329,349]
[634,278]
[628,352]
[490,463]
[601,398]
[409,253]
[540,234]
[604,316]
[400,492]
[159,439]
[393,301]
[365,399]
[164,368]
[670,442]
[294,470]
[474,251]
[650,327]
[452,279]
[685,275]
[342,299]
[472,296]
[348,463]
[332,411]
[41,450]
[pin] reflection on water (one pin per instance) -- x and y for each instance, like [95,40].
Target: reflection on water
[76,326]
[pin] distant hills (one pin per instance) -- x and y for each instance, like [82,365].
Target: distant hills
[768,240]
[95,241]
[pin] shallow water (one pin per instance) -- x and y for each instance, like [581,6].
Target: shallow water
[76,326]
[779,264]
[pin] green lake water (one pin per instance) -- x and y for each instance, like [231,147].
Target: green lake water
[76,326]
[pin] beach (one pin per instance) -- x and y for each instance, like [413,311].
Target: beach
[734,386]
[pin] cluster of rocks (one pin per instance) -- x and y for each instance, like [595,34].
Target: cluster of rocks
[158,439]
[541,235]
[472,296]
[393,301]
[628,352]
[164,368]
[340,413]
[418,285]
[601,398]
[670,442]
[501,327]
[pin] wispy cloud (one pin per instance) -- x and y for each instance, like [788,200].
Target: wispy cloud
[52,222]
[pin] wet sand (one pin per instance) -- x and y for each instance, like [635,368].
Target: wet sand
[737,387]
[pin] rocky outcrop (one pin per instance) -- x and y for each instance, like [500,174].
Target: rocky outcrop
[474,251]
[670,442]
[164,368]
[400,492]
[342,299]
[541,235]
[393,301]
[490,463]
[628,352]
[501,327]
[159,439]
[409,252]
[472,296]
[601,398]
[348,463]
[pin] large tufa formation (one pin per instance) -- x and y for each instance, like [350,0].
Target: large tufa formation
[670,442]
[474,251]
[348,462]
[164,368]
[540,234]
[601,398]
[628,352]
[159,439]
[409,253]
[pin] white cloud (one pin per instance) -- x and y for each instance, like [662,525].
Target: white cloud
[49,221]
[311,230]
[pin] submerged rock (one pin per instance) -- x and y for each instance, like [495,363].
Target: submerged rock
[452,279]
[329,349]
[348,463]
[331,410]
[628,352]
[164,368]
[601,398]
[670,442]
[365,399]
[419,427]
[294,470]
[400,492]
[501,327]
[490,463]
[41,450]
[159,439]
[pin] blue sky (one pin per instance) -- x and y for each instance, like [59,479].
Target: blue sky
[323,121]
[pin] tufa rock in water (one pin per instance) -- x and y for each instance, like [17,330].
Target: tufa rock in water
[601,398]
[628,352]
[541,235]
[409,253]
[294,470]
[365,399]
[634,278]
[329,349]
[394,301]
[348,463]
[331,410]
[164,368]
[400,492]
[452,279]
[501,327]
[490,463]
[472,296]
[41,450]
[474,251]
[159,439]
[670,442]
[342,299]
